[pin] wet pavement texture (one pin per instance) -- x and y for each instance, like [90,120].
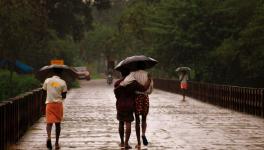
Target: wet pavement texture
[90,124]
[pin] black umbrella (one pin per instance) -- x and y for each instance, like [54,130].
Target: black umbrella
[133,62]
[68,74]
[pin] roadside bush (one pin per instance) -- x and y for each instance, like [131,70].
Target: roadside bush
[19,84]
[74,84]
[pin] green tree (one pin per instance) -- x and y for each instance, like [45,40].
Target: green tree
[23,29]
[102,4]
[133,39]
[69,17]
[219,40]
[98,42]
[63,48]
[240,55]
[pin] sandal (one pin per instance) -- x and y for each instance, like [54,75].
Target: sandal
[145,141]
[48,144]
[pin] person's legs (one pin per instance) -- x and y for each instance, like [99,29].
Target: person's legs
[48,129]
[58,130]
[138,130]
[128,132]
[184,87]
[121,133]
[144,127]
[182,91]
[144,124]
[183,94]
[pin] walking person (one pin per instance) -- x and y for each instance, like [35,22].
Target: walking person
[141,100]
[183,77]
[56,91]
[125,105]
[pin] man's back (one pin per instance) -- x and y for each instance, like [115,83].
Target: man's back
[54,86]
[183,77]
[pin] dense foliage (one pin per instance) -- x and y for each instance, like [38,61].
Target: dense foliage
[221,40]
[38,31]
[19,84]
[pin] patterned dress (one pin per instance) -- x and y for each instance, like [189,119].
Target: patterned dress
[142,105]
[142,99]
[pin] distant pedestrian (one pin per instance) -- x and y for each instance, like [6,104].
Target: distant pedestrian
[141,100]
[183,77]
[125,105]
[56,91]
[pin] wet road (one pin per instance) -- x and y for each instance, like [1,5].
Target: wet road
[90,124]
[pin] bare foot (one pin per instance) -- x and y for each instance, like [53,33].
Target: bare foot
[128,146]
[138,146]
[122,145]
[57,146]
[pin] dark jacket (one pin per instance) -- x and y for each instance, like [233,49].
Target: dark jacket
[125,96]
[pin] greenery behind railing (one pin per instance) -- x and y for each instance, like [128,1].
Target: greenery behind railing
[243,99]
[18,83]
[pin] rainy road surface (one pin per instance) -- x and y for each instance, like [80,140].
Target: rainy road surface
[90,124]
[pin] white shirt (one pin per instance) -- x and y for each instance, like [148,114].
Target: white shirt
[183,77]
[54,87]
[141,76]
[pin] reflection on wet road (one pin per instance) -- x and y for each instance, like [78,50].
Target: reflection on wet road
[90,124]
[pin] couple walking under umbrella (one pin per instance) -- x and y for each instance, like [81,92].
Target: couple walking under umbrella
[132,92]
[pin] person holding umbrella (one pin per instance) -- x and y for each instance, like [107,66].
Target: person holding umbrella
[125,106]
[56,89]
[141,100]
[139,64]
[183,73]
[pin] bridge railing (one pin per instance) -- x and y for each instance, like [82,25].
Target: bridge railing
[18,114]
[243,99]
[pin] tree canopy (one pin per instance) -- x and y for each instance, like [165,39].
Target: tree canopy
[222,41]
[32,30]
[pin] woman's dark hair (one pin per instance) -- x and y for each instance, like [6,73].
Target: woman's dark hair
[184,71]
[141,65]
[125,72]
